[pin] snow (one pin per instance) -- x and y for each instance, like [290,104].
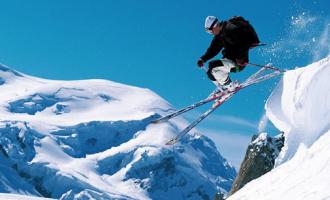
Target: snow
[299,106]
[92,139]
[20,197]
[303,111]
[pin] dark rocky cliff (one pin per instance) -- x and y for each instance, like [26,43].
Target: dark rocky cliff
[259,159]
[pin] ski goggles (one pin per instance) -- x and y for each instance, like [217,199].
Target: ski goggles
[210,29]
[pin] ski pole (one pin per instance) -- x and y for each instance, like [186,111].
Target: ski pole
[267,67]
[204,68]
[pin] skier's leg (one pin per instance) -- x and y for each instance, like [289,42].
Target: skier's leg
[219,70]
[219,73]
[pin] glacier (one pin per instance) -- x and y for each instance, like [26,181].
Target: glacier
[299,106]
[92,139]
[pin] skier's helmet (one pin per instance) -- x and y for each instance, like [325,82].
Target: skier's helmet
[210,22]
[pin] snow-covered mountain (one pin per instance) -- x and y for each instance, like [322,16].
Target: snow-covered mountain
[299,106]
[93,139]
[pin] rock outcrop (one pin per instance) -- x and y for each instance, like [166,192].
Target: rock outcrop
[259,159]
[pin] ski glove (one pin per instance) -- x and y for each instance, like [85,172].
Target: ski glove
[241,62]
[200,63]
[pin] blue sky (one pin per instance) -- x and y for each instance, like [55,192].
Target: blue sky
[155,44]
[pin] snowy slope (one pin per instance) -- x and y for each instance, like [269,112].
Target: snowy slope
[300,106]
[93,139]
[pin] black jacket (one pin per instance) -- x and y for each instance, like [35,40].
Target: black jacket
[234,39]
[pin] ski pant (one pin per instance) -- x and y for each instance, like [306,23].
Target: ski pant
[219,70]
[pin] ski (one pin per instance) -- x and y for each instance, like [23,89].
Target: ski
[212,97]
[250,81]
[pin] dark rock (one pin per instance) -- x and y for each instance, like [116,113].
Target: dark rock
[259,159]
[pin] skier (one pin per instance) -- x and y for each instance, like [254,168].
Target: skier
[235,36]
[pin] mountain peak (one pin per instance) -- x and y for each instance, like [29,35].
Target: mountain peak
[68,139]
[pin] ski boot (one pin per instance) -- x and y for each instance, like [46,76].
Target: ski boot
[230,87]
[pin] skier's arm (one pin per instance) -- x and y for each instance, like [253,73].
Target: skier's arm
[214,48]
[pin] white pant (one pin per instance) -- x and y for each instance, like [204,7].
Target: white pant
[221,73]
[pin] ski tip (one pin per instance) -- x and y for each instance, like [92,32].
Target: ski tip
[171,142]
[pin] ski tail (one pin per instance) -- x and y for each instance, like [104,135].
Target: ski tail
[268,66]
[260,79]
